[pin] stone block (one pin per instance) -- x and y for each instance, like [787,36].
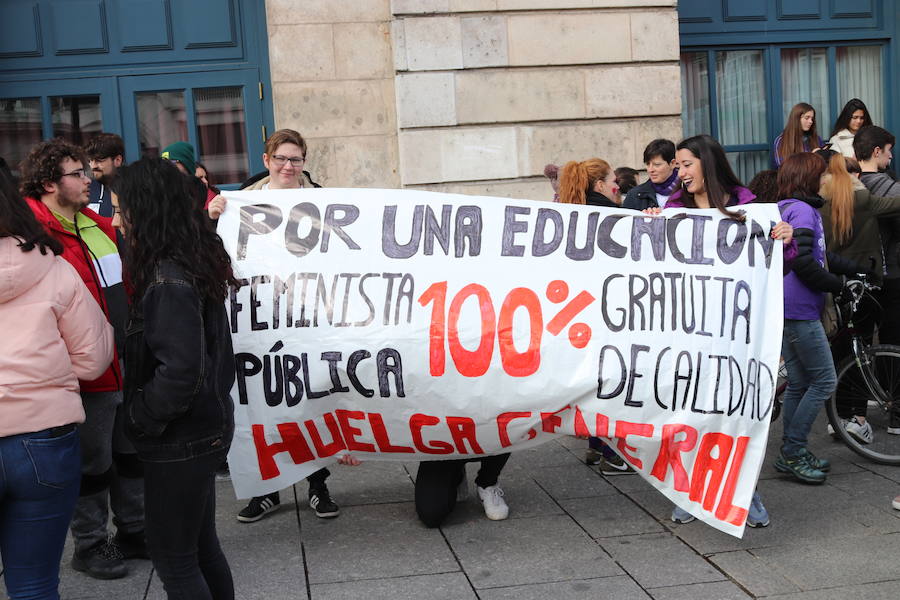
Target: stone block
[336,108]
[610,517]
[457,155]
[379,540]
[580,38]
[522,189]
[576,589]
[641,556]
[283,12]
[565,4]
[649,129]
[654,35]
[366,161]
[484,42]
[433,43]
[717,590]
[414,7]
[320,161]
[558,144]
[445,586]
[542,549]
[362,51]
[633,91]
[519,95]
[425,99]
[472,5]
[301,52]
[398,44]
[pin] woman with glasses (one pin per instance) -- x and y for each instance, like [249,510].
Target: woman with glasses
[284,158]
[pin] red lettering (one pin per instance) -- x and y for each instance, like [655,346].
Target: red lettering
[416,423]
[337,442]
[705,464]
[381,436]
[601,427]
[292,442]
[623,430]
[670,454]
[350,432]
[503,421]
[726,511]
[550,421]
[462,429]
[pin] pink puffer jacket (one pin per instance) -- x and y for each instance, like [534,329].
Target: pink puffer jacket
[52,332]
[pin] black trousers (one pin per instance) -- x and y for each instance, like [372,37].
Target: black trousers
[437,480]
[180,508]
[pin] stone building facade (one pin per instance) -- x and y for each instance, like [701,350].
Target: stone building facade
[472,96]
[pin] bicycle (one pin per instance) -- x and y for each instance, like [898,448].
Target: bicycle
[868,379]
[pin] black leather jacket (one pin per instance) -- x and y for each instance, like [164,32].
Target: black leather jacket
[179,370]
[641,197]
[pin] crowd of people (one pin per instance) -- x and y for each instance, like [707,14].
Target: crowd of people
[125,408]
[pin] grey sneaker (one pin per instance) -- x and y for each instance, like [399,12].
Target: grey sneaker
[861,432]
[757,516]
[682,516]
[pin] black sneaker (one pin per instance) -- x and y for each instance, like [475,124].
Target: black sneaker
[130,545]
[321,502]
[100,561]
[259,507]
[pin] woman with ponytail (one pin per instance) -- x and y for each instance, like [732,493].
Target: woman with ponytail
[591,181]
[799,134]
[852,217]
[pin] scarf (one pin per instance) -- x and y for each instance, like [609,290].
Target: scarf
[668,186]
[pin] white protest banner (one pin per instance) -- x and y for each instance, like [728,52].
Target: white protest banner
[409,325]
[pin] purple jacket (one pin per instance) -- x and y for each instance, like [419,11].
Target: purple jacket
[801,302]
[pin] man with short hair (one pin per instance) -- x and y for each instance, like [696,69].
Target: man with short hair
[659,158]
[55,186]
[874,150]
[106,153]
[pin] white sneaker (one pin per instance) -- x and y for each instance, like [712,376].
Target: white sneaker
[462,490]
[862,432]
[495,507]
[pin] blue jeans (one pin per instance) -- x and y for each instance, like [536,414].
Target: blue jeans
[39,479]
[811,380]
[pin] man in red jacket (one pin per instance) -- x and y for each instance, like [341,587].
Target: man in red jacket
[55,185]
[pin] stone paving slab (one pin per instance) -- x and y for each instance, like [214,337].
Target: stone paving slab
[524,551]
[573,482]
[660,560]
[610,588]
[369,483]
[611,516]
[753,573]
[526,499]
[444,586]
[374,541]
[817,566]
[885,590]
[718,590]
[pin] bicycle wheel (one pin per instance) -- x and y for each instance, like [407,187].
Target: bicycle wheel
[852,391]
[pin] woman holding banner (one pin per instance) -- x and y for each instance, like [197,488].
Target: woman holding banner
[708,181]
[179,373]
[284,157]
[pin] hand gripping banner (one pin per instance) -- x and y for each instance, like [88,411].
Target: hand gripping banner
[409,325]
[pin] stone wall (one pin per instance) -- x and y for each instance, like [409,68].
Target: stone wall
[333,81]
[473,96]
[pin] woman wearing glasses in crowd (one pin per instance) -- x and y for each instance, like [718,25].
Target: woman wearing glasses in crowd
[284,158]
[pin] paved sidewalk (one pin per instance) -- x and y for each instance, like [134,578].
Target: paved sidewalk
[571,534]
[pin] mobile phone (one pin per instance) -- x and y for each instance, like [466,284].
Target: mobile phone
[827,146]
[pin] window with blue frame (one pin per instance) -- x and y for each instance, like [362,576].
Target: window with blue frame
[742,96]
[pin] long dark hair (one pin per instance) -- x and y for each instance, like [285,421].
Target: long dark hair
[163,223]
[17,220]
[843,120]
[792,136]
[718,178]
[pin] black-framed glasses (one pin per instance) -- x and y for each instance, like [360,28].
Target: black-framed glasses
[79,173]
[296,161]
